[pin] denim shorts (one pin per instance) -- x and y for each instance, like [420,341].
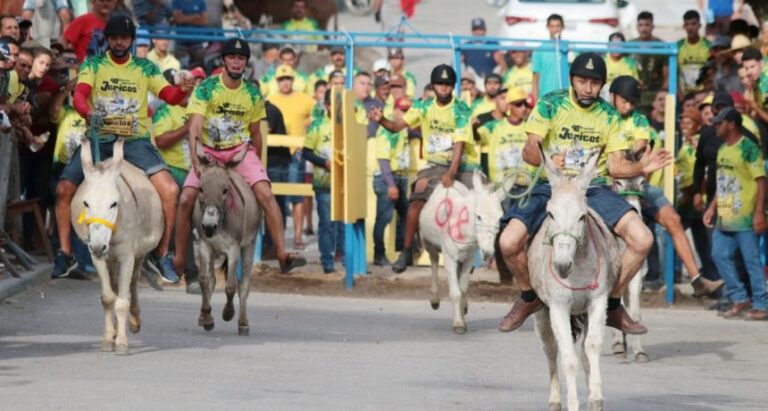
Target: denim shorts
[139,152]
[653,201]
[296,171]
[600,198]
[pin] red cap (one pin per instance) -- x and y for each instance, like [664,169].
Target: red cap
[197,72]
[738,98]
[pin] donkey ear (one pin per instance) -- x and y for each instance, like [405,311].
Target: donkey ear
[553,172]
[477,181]
[239,157]
[506,187]
[86,158]
[200,151]
[638,154]
[117,151]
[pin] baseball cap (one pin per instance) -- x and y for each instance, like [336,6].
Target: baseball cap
[197,72]
[142,41]
[707,101]
[478,23]
[397,81]
[381,64]
[516,94]
[337,50]
[493,77]
[728,114]
[467,76]
[722,42]
[283,71]
[380,81]
[396,53]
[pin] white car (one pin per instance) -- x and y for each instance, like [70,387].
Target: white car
[585,20]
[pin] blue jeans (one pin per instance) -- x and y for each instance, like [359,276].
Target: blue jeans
[296,172]
[330,233]
[384,209]
[724,245]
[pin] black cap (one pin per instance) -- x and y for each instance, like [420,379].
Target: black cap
[396,53]
[589,65]
[493,76]
[626,87]
[723,99]
[380,81]
[443,74]
[722,42]
[170,75]
[729,114]
[120,25]
[478,24]
[236,46]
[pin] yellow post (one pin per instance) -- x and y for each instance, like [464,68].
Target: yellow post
[669,145]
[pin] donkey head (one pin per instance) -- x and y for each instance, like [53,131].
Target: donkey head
[216,190]
[488,212]
[567,211]
[630,188]
[101,198]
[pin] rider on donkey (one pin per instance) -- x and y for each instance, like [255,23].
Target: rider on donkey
[571,125]
[114,87]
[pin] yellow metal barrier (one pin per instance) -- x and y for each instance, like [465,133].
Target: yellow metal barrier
[280,140]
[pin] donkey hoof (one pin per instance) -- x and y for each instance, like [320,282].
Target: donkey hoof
[555,406]
[460,329]
[134,328]
[596,405]
[435,304]
[121,349]
[243,330]
[228,313]
[642,357]
[107,346]
[208,327]
[618,350]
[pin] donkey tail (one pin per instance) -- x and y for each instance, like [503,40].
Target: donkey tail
[578,326]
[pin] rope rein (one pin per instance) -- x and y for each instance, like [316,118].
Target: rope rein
[594,283]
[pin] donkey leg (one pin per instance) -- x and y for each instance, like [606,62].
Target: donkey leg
[451,272]
[434,258]
[592,343]
[246,256]
[560,316]
[466,269]
[107,301]
[547,336]
[633,307]
[233,254]
[122,305]
[207,286]
[134,321]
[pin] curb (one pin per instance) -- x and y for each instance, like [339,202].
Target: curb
[12,286]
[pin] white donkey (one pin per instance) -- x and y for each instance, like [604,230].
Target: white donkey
[228,218]
[117,212]
[456,221]
[573,263]
[631,189]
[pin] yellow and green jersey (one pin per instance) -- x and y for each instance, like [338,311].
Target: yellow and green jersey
[625,66]
[635,127]
[686,158]
[227,113]
[318,111]
[690,58]
[70,131]
[738,166]
[579,132]
[505,142]
[319,140]
[394,147]
[165,63]
[119,92]
[305,24]
[168,118]
[521,77]
[483,105]
[17,91]
[441,127]
[300,83]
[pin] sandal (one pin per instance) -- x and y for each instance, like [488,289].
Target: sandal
[298,245]
[292,262]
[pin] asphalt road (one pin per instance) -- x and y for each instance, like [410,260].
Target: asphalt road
[346,353]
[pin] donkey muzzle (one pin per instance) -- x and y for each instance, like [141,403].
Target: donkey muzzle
[210,229]
[98,250]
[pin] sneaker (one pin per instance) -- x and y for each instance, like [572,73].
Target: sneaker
[329,270]
[381,260]
[164,266]
[653,286]
[63,265]
[404,260]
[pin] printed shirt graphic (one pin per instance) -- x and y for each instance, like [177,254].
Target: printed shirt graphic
[738,166]
[119,91]
[566,127]
[635,127]
[761,89]
[505,142]
[686,158]
[168,118]
[519,77]
[441,127]
[625,66]
[690,58]
[227,113]
[319,140]
[394,147]
[71,129]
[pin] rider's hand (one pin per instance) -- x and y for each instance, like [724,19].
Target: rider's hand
[758,223]
[447,179]
[393,193]
[654,160]
[375,114]
[708,218]
[558,160]
[698,202]
[187,84]
[327,165]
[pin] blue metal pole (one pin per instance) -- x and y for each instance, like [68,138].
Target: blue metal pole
[349,255]
[362,266]
[457,65]
[669,249]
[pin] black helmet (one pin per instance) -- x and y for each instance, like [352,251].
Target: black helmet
[590,65]
[236,46]
[443,74]
[626,87]
[120,25]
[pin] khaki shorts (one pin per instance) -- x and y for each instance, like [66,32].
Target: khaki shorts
[434,174]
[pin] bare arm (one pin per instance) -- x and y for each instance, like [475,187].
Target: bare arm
[619,167]
[195,131]
[531,154]
[169,138]
[58,103]
[376,115]
[535,86]
[758,217]
[255,130]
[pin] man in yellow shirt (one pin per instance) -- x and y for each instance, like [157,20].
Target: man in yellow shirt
[693,53]
[300,22]
[448,145]
[619,64]
[160,55]
[397,68]
[301,82]
[521,72]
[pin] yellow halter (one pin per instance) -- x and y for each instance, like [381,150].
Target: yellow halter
[96,220]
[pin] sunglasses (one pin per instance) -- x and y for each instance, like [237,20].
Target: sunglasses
[70,61]
[518,104]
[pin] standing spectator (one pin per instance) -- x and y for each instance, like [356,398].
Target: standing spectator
[727,75]
[296,108]
[652,69]
[718,13]
[361,87]
[619,64]
[152,12]
[301,82]
[86,33]
[161,55]
[319,95]
[694,52]
[142,43]
[318,150]
[379,100]
[481,61]
[189,13]
[469,92]
[755,96]
[300,22]
[270,57]
[487,103]
[338,63]
[397,68]
[521,73]
[739,208]
[549,66]
[49,18]
[9,26]
[391,12]
[390,182]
